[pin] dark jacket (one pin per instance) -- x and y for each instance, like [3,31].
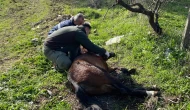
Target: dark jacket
[69,39]
[64,23]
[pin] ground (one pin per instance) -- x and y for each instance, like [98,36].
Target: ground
[28,80]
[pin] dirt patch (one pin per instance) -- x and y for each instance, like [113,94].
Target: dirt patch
[5,63]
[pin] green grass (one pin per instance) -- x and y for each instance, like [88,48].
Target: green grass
[26,75]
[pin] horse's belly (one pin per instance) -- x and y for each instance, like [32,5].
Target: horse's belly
[88,74]
[93,90]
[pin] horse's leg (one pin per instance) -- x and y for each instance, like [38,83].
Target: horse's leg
[134,92]
[88,102]
[123,70]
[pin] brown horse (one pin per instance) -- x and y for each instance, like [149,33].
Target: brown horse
[89,75]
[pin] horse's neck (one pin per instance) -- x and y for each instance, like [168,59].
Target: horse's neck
[94,60]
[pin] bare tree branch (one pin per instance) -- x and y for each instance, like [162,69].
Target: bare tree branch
[152,16]
[157,5]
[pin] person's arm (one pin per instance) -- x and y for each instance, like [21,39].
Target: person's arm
[82,38]
[60,25]
[65,23]
[53,29]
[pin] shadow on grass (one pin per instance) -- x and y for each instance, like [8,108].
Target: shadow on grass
[120,101]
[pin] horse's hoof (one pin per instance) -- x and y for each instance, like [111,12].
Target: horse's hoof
[153,93]
[93,107]
[128,72]
[157,93]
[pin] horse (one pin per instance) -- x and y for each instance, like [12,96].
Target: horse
[89,74]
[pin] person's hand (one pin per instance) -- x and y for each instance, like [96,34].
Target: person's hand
[83,50]
[112,54]
[109,54]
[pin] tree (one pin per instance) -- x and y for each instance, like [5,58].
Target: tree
[186,37]
[151,14]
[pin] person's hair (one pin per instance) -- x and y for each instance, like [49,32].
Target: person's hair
[77,16]
[87,24]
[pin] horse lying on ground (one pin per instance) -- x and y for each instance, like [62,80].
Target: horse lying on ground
[89,75]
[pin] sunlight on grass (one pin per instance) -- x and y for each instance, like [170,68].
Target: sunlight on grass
[158,59]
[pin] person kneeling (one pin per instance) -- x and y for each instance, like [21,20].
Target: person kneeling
[63,45]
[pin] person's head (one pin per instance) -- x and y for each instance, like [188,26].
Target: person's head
[78,19]
[87,27]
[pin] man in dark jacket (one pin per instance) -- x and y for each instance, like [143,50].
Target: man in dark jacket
[78,19]
[62,46]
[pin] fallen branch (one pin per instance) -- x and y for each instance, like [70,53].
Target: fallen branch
[152,15]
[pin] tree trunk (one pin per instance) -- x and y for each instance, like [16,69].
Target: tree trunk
[186,36]
[152,16]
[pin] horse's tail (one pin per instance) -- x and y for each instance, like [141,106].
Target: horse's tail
[84,99]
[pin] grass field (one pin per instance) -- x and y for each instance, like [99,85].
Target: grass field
[27,80]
